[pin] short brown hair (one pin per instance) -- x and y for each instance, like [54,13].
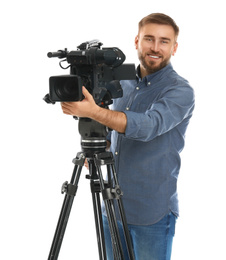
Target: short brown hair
[159,18]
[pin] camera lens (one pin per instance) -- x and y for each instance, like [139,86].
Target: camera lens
[65,88]
[68,90]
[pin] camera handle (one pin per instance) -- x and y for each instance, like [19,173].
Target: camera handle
[110,191]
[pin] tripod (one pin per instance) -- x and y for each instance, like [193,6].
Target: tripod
[94,149]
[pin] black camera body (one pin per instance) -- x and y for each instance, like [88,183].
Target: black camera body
[99,70]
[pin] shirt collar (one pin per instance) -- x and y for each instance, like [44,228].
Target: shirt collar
[156,76]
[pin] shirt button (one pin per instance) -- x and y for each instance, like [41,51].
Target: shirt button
[137,88]
[127,108]
[149,83]
[116,153]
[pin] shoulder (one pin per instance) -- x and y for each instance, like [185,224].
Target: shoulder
[177,88]
[176,81]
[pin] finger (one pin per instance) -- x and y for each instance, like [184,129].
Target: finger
[86,164]
[64,105]
[67,104]
[68,107]
[67,112]
[65,108]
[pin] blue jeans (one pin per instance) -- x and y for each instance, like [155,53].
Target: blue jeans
[152,242]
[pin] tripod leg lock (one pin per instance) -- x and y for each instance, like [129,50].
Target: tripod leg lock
[79,159]
[110,193]
[69,188]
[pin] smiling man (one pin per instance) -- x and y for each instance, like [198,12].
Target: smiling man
[155,44]
[149,124]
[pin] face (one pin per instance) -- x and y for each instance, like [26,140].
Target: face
[155,44]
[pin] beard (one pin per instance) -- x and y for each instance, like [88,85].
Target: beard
[153,66]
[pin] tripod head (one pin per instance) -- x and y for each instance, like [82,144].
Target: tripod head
[93,136]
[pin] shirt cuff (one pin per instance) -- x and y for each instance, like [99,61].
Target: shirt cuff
[133,124]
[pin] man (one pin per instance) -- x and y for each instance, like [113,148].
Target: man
[149,124]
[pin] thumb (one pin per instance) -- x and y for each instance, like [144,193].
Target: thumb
[86,93]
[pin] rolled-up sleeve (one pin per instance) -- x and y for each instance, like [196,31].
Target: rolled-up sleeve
[173,106]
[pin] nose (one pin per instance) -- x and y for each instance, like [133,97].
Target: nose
[155,46]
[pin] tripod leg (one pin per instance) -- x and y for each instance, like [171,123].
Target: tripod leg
[70,190]
[113,227]
[95,190]
[123,217]
[109,206]
[98,220]
[109,195]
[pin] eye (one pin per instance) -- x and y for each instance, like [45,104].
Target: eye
[165,41]
[148,39]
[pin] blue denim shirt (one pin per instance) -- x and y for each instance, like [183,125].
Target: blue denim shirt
[158,109]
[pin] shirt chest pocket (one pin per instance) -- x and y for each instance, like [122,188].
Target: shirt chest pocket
[145,100]
[141,107]
[142,103]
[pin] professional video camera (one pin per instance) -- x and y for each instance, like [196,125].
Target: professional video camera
[99,70]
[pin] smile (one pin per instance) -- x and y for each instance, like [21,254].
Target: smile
[154,57]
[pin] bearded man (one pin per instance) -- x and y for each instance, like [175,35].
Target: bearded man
[149,124]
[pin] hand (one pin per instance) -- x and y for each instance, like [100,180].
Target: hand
[88,108]
[86,164]
[85,108]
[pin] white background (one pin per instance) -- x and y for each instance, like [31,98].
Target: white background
[38,142]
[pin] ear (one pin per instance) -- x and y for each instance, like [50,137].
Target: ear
[175,48]
[136,42]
